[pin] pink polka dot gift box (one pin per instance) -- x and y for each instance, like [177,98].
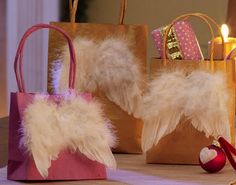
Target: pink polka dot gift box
[182,42]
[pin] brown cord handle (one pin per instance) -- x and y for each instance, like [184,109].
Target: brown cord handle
[208,20]
[73,9]
[231,55]
[74,5]
[20,49]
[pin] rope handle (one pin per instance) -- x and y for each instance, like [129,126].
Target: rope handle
[229,150]
[231,55]
[208,20]
[19,55]
[73,9]
[74,6]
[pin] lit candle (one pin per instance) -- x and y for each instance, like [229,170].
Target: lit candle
[230,43]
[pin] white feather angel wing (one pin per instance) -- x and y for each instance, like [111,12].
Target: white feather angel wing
[118,74]
[201,96]
[38,131]
[207,103]
[162,107]
[86,53]
[109,65]
[75,125]
[88,130]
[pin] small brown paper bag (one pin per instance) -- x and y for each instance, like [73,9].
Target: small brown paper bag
[183,145]
[127,127]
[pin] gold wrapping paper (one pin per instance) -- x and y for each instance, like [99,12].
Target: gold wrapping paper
[173,46]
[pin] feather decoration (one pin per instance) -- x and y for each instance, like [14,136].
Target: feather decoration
[109,66]
[162,107]
[206,104]
[201,96]
[118,74]
[74,124]
[86,56]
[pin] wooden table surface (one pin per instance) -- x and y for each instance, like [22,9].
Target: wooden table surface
[133,170]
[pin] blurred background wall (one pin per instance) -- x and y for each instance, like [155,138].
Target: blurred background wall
[3,64]
[15,17]
[156,13]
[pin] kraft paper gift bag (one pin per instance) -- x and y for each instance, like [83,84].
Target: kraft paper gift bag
[231,56]
[111,65]
[56,136]
[189,103]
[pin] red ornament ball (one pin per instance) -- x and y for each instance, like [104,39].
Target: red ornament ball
[212,158]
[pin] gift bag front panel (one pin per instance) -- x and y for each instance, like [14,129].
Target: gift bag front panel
[180,147]
[184,144]
[227,67]
[21,165]
[135,35]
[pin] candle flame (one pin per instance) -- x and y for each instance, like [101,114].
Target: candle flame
[225,31]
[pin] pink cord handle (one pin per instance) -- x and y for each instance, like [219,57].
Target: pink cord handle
[19,55]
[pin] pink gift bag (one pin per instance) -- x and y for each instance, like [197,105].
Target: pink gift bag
[27,148]
[182,42]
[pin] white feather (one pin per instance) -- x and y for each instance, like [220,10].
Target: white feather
[74,124]
[207,101]
[86,53]
[109,66]
[118,74]
[162,107]
[202,97]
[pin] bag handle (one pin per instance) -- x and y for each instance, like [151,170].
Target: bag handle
[208,20]
[74,5]
[231,55]
[20,49]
